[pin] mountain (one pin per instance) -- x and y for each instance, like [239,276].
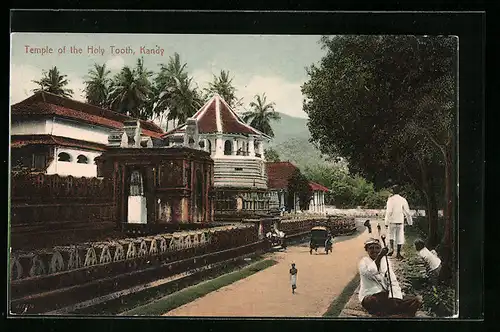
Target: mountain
[289,127]
[291,141]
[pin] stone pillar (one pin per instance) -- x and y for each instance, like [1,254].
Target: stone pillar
[185,210]
[235,147]
[261,149]
[219,146]
[251,147]
[317,200]
[323,203]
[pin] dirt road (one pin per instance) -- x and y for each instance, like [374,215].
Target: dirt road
[321,278]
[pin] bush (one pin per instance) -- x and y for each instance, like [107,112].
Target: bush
[440,300]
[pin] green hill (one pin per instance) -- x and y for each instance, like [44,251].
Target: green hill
[291,141]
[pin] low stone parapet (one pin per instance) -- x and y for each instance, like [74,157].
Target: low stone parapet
[36,263]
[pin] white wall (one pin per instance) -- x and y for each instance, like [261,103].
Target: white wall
[30,127]
[317,204]
[73,168]
[369,212]
[81,131]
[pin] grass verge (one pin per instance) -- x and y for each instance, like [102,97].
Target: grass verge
[340,301]
[437,301]
[190,294]
[131,301]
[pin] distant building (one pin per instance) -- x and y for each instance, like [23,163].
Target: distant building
[240,178]
[279,174]
[58,135]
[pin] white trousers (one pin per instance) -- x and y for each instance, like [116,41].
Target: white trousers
[397,233]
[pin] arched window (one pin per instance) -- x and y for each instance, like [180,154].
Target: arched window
[256,148]
[228,148]
[63,156]
[136,184]
[81,159]
[201,144]
[209,146]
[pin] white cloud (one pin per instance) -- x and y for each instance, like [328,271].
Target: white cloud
[286,95]
[76,84]
[202,78]
[115,63]
[21,77]
[21,83]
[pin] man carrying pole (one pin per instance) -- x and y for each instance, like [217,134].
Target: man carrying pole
[379,291]
[396,210]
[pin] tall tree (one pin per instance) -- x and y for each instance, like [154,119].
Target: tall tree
[54,82]
[97,85]
[223,85]
[261,115]
[178,98]
[271,155]
[298,187]
[386,103]
[130,91]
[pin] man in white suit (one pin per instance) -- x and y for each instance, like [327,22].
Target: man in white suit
[396,210]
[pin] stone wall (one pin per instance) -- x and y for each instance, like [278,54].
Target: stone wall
[380,213]
[38,198]
[48,279]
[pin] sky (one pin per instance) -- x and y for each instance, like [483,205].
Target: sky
[271,64]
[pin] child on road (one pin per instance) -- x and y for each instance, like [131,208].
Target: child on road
[293,277]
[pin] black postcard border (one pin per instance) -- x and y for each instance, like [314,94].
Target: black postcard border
[470,29]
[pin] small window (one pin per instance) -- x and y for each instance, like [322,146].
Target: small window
[228,148]
[40,162]
[81,159]
[63,156]
[238,169]
[202,144]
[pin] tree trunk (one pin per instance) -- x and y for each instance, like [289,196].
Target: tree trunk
[447,242]
[432,209]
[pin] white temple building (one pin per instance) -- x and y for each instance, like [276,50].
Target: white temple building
[58,135]
[237,149]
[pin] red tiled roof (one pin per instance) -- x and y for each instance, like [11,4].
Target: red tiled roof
[19,141]
[216,111]
[278,174]
[45,103]
[317,187]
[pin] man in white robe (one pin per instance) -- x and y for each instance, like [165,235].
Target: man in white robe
[379,291]
[397,209]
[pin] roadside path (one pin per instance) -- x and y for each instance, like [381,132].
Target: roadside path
[321,278]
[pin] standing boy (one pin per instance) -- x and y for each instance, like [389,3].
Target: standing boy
[293,277]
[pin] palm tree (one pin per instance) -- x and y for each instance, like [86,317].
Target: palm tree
[185,100]
[130,91]
[261,114]
[176,98]
[223,85]
[97,85]
[54,82]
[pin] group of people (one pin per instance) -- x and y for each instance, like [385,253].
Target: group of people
[380,293]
